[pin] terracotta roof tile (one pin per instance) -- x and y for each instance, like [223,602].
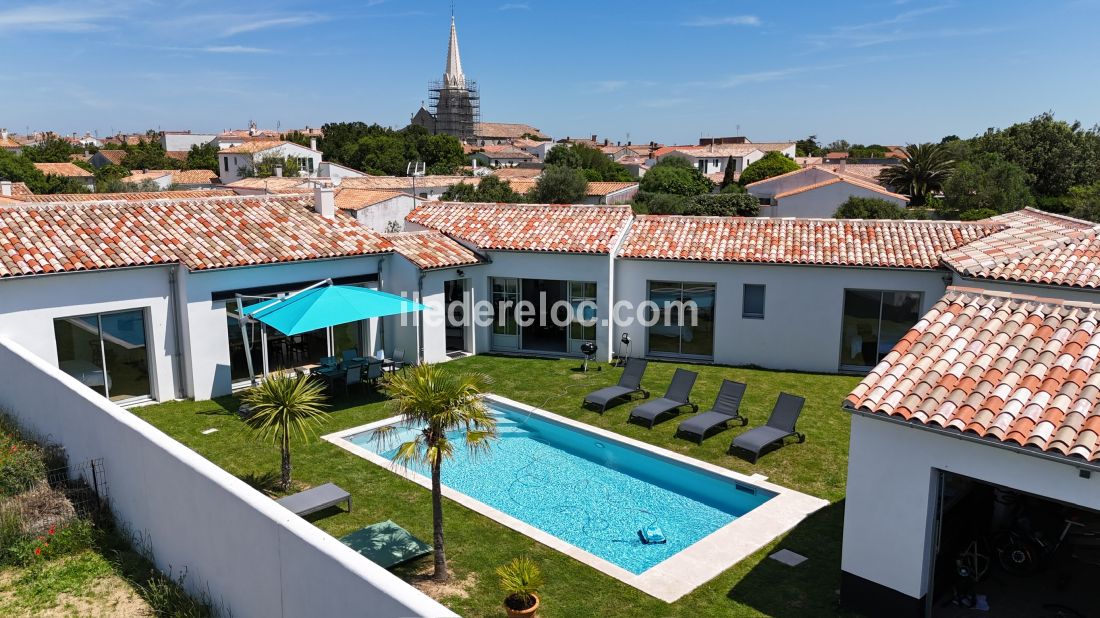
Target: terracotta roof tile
[254,146]
[840,242]
[506,130]
[528,227]
[1019,346]
[402,183]
[358,199]
[200,233]
[594,189]
[429,249]
[63,169]
[136,196]
[1036,247]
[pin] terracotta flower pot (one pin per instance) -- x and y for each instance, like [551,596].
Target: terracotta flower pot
[523,613]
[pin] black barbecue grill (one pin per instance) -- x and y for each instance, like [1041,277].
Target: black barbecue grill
[589,349]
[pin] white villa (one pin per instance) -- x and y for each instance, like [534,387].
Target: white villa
[711,159]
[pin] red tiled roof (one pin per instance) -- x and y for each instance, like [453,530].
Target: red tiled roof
[114,156]
[517,172]
[63,169]
[358,199]
[594,189]
[506,130]
[137,196]
[527,227]
[1014,369]
[200,233]
[400,183]
[845,179]
[429,249]
[1037,247]
[839,242]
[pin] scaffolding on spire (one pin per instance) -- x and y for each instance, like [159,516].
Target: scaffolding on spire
[455,100]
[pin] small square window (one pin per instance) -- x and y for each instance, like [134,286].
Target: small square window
[752,306]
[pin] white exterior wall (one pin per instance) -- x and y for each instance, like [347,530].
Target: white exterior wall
[378,216]
[336,172]
[29,306]
[803,307]
[239,160]
[891,490]
[254,557]
[822,202]
[769,187]
[207,339]
[1043,291]
[184,141]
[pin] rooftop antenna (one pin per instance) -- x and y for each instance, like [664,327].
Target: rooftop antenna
[414,169]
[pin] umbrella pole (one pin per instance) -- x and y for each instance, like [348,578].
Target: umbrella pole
[244,337]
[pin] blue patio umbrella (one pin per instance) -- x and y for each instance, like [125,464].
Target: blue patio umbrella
[328,305]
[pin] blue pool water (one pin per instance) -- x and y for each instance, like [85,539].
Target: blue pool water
[587,491]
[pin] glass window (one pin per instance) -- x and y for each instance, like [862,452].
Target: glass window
[685,318]
[874,321]
[107,352]
[582,292]
[238,363]
[505,298]
[347,337]
[752,302]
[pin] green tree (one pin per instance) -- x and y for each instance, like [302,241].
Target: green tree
[977,214]
[148,154]
[51,150]
[202,157]
[872,208]
[660,203]
[283,407]
[839,145]
[1084,202]
[1057,154]
[439,402]
[265,167]
[987,182]
[723,205]
[596,165]
[294,137]
[771,164]
[559,185]
[808,147]
[380,150]
[728,176]
[677,176]
[18,168]
[920,175]
[489,189]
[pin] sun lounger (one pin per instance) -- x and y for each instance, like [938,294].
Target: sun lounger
[678,396]
[630,382]
[726,408]
[315,499]
[780,425]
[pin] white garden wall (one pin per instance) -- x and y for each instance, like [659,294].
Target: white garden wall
[254,557]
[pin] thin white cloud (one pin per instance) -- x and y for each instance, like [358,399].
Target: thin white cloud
[53,17]
[731,20]
[274,22]
[232,49]
[514,6]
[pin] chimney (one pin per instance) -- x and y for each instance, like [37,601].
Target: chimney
[5,188]
[278,171]
[313,143]
[324,201]
[843,166]
[593,137]
[3,135]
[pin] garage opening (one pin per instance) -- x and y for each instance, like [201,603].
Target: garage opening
[1002,552]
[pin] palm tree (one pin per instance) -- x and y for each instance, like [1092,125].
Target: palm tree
[284,406]
[439,402]
[922,173]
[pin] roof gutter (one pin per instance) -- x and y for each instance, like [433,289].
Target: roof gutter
[966,437]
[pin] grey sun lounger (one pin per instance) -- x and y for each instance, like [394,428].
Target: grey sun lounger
[315,499]
[726,408]
[780,425]
[678,396]
[630,382]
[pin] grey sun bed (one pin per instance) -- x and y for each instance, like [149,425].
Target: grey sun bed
[780,425]
[678,396]
[726,408]
[315,499]
[630,382]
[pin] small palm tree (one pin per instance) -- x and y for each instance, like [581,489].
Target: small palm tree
[921,174]
[284,406]
[439,402]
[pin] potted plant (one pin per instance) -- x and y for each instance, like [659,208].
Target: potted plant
[520,581]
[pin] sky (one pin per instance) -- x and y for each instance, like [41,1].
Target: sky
[887,71]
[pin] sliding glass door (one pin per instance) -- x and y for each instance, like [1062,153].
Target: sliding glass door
[874,321]
[271,350]
[106,352]
[684,320]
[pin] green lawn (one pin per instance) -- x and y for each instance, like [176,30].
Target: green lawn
[476,545]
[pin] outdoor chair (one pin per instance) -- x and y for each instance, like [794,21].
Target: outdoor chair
[350,355]
[677,396]
[329,361]
[630,382]
[352,375]
[726,408]
[374,373]
[398,360]
[781,424]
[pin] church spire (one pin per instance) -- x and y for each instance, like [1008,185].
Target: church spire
[453,75]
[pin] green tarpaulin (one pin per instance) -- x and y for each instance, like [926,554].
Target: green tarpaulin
[386,544]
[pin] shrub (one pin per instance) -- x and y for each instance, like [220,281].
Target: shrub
[724,205]
[872,208]
[21,465]
[660,203]
[677,176]
[977,214]
[774,163]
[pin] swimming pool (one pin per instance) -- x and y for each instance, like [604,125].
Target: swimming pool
[576,487]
